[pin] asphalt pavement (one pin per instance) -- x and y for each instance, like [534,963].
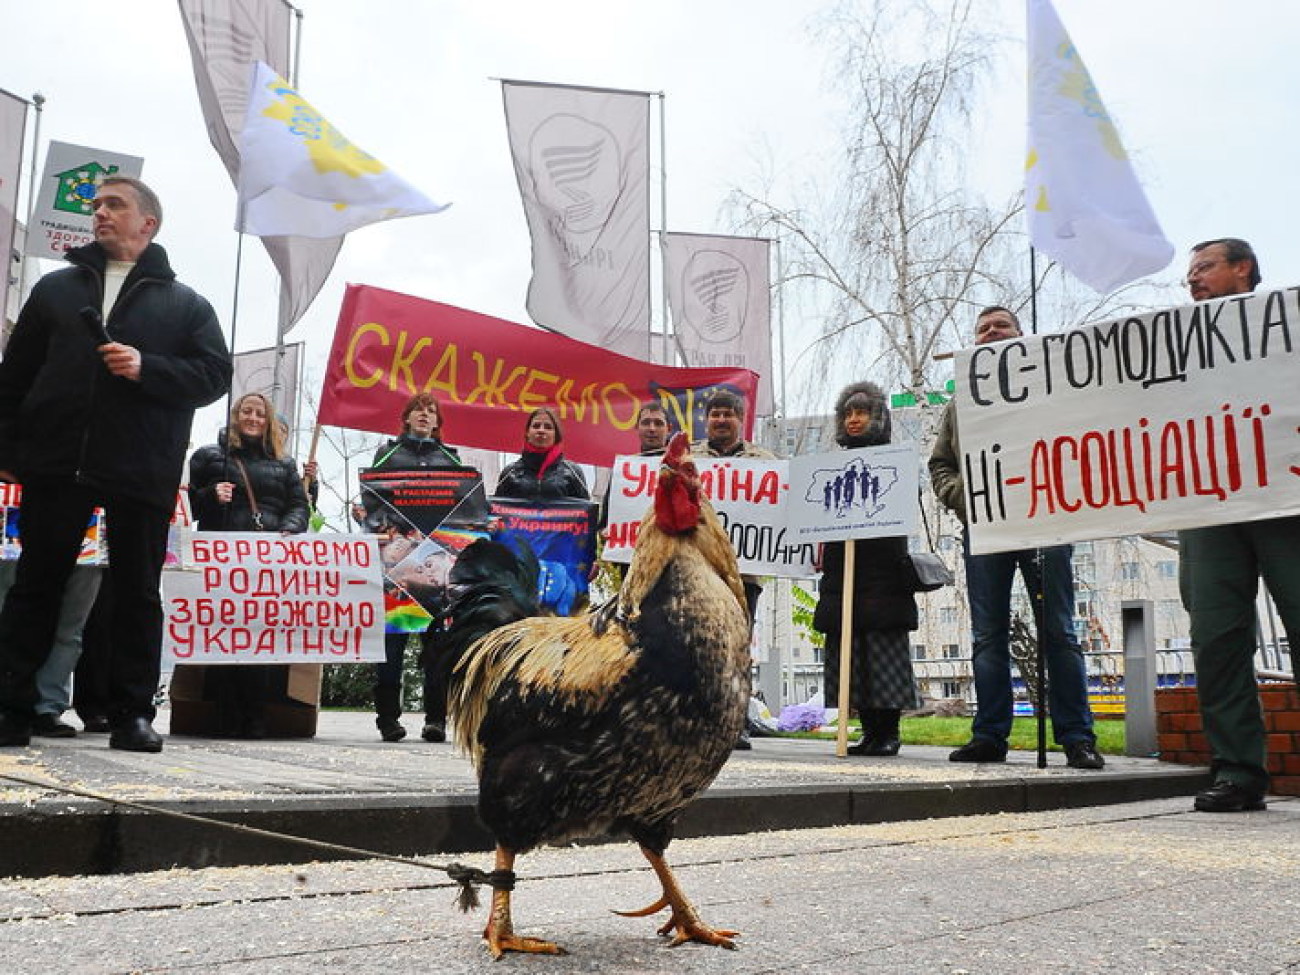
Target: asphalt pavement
[1145,886]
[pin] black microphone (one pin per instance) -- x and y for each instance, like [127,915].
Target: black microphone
[95,322]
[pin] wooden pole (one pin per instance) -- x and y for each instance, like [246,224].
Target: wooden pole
[311,455]
[846,648]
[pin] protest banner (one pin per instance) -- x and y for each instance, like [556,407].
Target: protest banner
[1181,417]
[562,534]
[423,518]
[749,494]
[869,492]
[256,597]
[488,374]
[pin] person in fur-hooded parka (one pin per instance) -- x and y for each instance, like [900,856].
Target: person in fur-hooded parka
[884,610]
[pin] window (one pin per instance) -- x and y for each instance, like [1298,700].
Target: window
[951,689]
[1167,569]
[1128,570]
[951,651]
[948,614]
[918,651]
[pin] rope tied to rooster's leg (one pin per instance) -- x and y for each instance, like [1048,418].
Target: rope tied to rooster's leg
[470,878]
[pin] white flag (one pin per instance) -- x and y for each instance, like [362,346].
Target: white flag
[582,158]
[226,38]
[720,298]
[300,175]
[13,122]
[1085,207]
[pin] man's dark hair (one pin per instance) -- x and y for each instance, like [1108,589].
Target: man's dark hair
[150,205]
[655,407]
[992,308]
[1234,249]
[723,399]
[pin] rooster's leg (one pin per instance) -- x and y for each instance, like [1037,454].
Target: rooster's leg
[500,932]
[684,922]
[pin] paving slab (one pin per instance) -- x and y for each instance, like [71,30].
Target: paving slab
[1145,887]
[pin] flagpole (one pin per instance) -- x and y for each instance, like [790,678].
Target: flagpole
[39,101]
[663,227]
[1040,606]
[780,320]
[277,384]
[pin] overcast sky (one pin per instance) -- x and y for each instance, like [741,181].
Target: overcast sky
[1204,94]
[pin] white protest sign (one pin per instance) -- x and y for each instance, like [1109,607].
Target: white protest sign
[1182,417]
[869,492]
[749,495]
[63,217]
[254,597]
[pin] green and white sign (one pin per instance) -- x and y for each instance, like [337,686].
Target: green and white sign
[63,217]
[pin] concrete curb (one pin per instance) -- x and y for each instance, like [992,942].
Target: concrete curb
[63,837]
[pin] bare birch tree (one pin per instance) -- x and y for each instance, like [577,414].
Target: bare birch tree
[899,253]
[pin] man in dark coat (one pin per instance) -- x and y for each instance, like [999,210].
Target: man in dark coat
[98,387]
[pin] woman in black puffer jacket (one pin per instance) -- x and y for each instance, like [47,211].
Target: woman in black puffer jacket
[418,447]
[884,609]
[541,470]
[250,454]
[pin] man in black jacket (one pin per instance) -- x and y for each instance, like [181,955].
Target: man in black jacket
[98,387]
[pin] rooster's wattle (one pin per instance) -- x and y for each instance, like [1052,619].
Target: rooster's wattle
[611,721]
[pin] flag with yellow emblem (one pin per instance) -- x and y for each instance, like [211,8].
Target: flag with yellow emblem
[1085,206]
[299,175]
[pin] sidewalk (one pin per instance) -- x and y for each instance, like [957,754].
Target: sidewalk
[347,787]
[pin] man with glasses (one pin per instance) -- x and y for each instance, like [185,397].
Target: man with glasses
[1218,574]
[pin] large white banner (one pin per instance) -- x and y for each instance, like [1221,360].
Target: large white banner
[1182,417]
[776,512]
[720,296]
[13,123]
[226,38]
[262,598]
[582,160]
[1083,202]
[64,217]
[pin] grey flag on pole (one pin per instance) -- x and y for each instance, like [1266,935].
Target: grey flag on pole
[226,38]
[13,122]
[582,158]
[719,294]
[273,372]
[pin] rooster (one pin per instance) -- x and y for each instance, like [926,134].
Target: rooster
[614,720]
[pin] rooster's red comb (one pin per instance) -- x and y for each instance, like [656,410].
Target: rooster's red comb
[677,496]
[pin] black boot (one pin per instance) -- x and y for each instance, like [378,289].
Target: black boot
[880,733]
[388,708]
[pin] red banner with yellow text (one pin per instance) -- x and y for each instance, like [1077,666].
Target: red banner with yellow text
[488,374]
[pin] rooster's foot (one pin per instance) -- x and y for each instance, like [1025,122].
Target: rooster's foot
[500,944]
[685,925]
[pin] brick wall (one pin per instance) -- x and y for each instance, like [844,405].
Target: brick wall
[1180,738]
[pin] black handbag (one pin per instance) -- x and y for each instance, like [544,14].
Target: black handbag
[925,571]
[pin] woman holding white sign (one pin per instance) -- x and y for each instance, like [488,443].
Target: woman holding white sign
[884,608]
[246,482]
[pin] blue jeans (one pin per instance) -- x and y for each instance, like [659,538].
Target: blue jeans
[988,587]
[54,679]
